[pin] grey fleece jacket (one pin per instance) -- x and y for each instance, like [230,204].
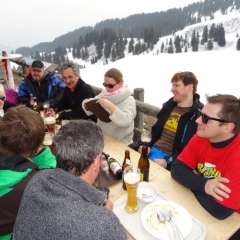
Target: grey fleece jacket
[122,125]
[58,205]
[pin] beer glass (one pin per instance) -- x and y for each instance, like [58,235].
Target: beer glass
[146,137]
[47,141]
[50,123]
[45,107]
[131,176]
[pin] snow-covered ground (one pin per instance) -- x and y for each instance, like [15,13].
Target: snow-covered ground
[217,72]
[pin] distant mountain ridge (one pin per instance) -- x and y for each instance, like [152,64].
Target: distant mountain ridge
[163,23]
[64,40]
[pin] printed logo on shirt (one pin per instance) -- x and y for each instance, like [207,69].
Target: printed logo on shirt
[172,122]
[208,170]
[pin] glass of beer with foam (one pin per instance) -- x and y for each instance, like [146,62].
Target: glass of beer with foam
[50,123]
[131,176]
[47,141]
[46,107]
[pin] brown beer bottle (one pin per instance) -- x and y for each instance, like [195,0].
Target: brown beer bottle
[36,107]
[143,164]
[127,162]
[31,101]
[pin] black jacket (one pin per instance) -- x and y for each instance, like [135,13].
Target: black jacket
[187,126]
[73,100]
[49,89]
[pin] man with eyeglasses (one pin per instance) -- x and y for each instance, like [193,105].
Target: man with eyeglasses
[42,85]
[176,121]
[75,92]
[210,164]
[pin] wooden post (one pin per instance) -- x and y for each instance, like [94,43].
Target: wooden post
[24,69]
[138,122]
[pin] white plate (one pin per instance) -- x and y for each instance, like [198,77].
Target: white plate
[157,229]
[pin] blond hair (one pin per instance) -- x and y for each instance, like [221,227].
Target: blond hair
[115,74]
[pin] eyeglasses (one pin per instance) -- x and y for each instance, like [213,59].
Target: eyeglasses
[109,85]
[205,118]
[2,98]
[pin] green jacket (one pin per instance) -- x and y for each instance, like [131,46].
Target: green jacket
[15,172]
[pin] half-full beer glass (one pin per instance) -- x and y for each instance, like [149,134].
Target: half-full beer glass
[50,123]
[131,176]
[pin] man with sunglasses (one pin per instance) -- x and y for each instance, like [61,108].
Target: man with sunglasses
[42,85]
[176,121]
[75,92]
[210,164]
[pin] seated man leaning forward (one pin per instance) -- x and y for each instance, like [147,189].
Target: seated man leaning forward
[210,164]
[21,136]
[62,203]
[42,85]
[75,92]
[175,121]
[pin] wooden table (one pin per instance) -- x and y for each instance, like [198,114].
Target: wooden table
[215,229]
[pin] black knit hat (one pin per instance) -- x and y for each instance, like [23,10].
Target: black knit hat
[37,64]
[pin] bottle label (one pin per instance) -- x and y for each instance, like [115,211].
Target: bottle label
[128,162]
[115,167]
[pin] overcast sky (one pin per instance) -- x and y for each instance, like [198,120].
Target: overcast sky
[29,22]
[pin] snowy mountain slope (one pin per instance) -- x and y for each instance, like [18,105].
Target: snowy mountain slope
[217,70]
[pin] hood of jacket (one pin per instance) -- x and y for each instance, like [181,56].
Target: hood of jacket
[12,170]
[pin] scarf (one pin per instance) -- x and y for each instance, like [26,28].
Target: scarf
[121,89]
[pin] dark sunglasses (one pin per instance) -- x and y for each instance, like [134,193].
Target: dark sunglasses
[205,118]
[109,85]
[2,98]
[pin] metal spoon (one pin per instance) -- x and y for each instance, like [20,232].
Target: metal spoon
[161,217]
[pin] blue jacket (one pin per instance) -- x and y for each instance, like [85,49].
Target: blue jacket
[50,89]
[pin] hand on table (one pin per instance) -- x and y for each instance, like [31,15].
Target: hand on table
[108,204]
[216,188]
[161,162]
[106,104]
